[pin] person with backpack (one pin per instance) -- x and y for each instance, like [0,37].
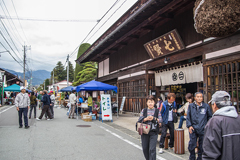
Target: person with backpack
[167,109]
[150,115]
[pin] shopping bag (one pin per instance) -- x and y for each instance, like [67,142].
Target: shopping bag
[143,128]
[68,111]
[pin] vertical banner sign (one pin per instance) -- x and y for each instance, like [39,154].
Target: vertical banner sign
[122,104]
[106,107]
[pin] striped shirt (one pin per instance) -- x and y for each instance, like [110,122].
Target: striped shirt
[150,112]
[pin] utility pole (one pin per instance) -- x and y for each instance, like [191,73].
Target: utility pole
[67,70]
[25,48]
[31,81]
[44,85]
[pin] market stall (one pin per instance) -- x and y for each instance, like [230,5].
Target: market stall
[99,86]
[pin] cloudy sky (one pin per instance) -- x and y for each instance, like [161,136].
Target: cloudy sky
[51,41]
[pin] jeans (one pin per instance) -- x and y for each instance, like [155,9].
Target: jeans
[149,142]
[90,109]
[169,126]
[32,107]
[181,121]
[23,111]
[193,144]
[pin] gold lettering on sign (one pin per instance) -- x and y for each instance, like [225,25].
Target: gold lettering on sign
[150,51]
[167,45]
[157,48]
[175,41]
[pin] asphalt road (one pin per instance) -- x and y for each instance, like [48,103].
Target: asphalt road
[63,139]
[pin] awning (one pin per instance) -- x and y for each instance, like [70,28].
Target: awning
[189,74]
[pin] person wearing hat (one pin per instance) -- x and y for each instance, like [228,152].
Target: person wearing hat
[198,115]
[222,132]
[22,103]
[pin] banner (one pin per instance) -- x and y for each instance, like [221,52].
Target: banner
[106,107]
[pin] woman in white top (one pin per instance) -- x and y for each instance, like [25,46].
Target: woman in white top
[184,108]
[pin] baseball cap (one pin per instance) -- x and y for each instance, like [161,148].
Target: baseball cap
[51,92]
[21,88]
[220,96]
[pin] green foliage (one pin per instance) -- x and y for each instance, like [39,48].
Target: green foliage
[60,73]
[71,72]
[62,96]
[81,50]
[88,73]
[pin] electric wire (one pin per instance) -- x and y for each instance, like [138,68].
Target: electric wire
[18,20]
[93,28]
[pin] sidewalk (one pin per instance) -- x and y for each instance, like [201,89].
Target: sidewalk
[127,122]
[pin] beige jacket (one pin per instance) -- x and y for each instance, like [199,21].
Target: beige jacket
[184,108]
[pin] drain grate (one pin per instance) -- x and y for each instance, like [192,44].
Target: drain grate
[83,125]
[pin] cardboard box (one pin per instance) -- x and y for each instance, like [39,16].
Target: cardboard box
[84,105]
[87,118]
[87,113]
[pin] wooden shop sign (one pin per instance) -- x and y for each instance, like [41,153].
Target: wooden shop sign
[165,44]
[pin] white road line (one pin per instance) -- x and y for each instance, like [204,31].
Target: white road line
[7,109]
[129,142]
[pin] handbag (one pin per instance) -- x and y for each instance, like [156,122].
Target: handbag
[143,128]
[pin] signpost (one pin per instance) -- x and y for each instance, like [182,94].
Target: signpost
[122,104]
[106,107]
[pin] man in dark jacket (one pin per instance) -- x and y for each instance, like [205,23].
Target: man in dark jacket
[222,132]
[46,104]
[167,108]
[197,117]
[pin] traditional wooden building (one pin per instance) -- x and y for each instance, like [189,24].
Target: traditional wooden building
[154,49]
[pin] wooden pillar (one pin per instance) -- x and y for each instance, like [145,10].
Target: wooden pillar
[147,83]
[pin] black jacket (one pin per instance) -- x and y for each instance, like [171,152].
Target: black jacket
[198,118]
[222,136]
[46,99]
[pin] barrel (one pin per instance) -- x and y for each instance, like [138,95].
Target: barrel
[179,141]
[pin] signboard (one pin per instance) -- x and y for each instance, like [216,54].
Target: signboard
[106,107]
[165,44]
[122,104]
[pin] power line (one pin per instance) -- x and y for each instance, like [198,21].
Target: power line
[94,27]
[49,20]
[12,22]
[107,20]
[10,53]
[18,20]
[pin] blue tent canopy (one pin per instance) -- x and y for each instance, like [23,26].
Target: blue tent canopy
[14,88]
[96,86]
[73,88]
[66,89]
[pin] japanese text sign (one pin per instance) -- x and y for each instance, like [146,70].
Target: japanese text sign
[106,107]
[163,45]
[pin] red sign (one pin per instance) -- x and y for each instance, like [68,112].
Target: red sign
[106,115]
[165,44]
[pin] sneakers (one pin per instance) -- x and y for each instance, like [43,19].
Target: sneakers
[49,119]
[38,119]
[160,151]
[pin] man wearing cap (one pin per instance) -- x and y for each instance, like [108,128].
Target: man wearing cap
[46,103]
[22,103]
[222,132]
[197,117]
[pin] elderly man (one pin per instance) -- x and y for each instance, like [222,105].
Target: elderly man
[46,104]
[72,99]
[222,132]
[197,117]
[22,103]
[52,97]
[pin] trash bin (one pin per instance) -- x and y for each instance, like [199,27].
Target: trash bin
[179,141]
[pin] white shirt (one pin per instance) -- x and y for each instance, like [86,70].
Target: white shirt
[72,98]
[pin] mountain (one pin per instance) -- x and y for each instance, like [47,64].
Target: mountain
[38,76]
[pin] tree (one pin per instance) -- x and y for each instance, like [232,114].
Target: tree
[59,72]
[88,73]
[71,72]
[81,50]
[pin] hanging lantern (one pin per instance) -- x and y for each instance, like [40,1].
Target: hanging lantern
[216,18]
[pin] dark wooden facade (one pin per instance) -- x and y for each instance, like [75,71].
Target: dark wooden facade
[127,55]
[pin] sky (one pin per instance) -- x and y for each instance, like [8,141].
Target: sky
[51,41]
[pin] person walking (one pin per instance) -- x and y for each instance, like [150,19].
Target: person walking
[159,102]
[39,97]
[33,105]
[22,103]
[184,108]
[52,97]
[149,141]
[197,117]
[72,100]
[167,108]
[222,132]
[90,102]
[46,104]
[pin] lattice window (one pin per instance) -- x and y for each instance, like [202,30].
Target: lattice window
[225,77]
